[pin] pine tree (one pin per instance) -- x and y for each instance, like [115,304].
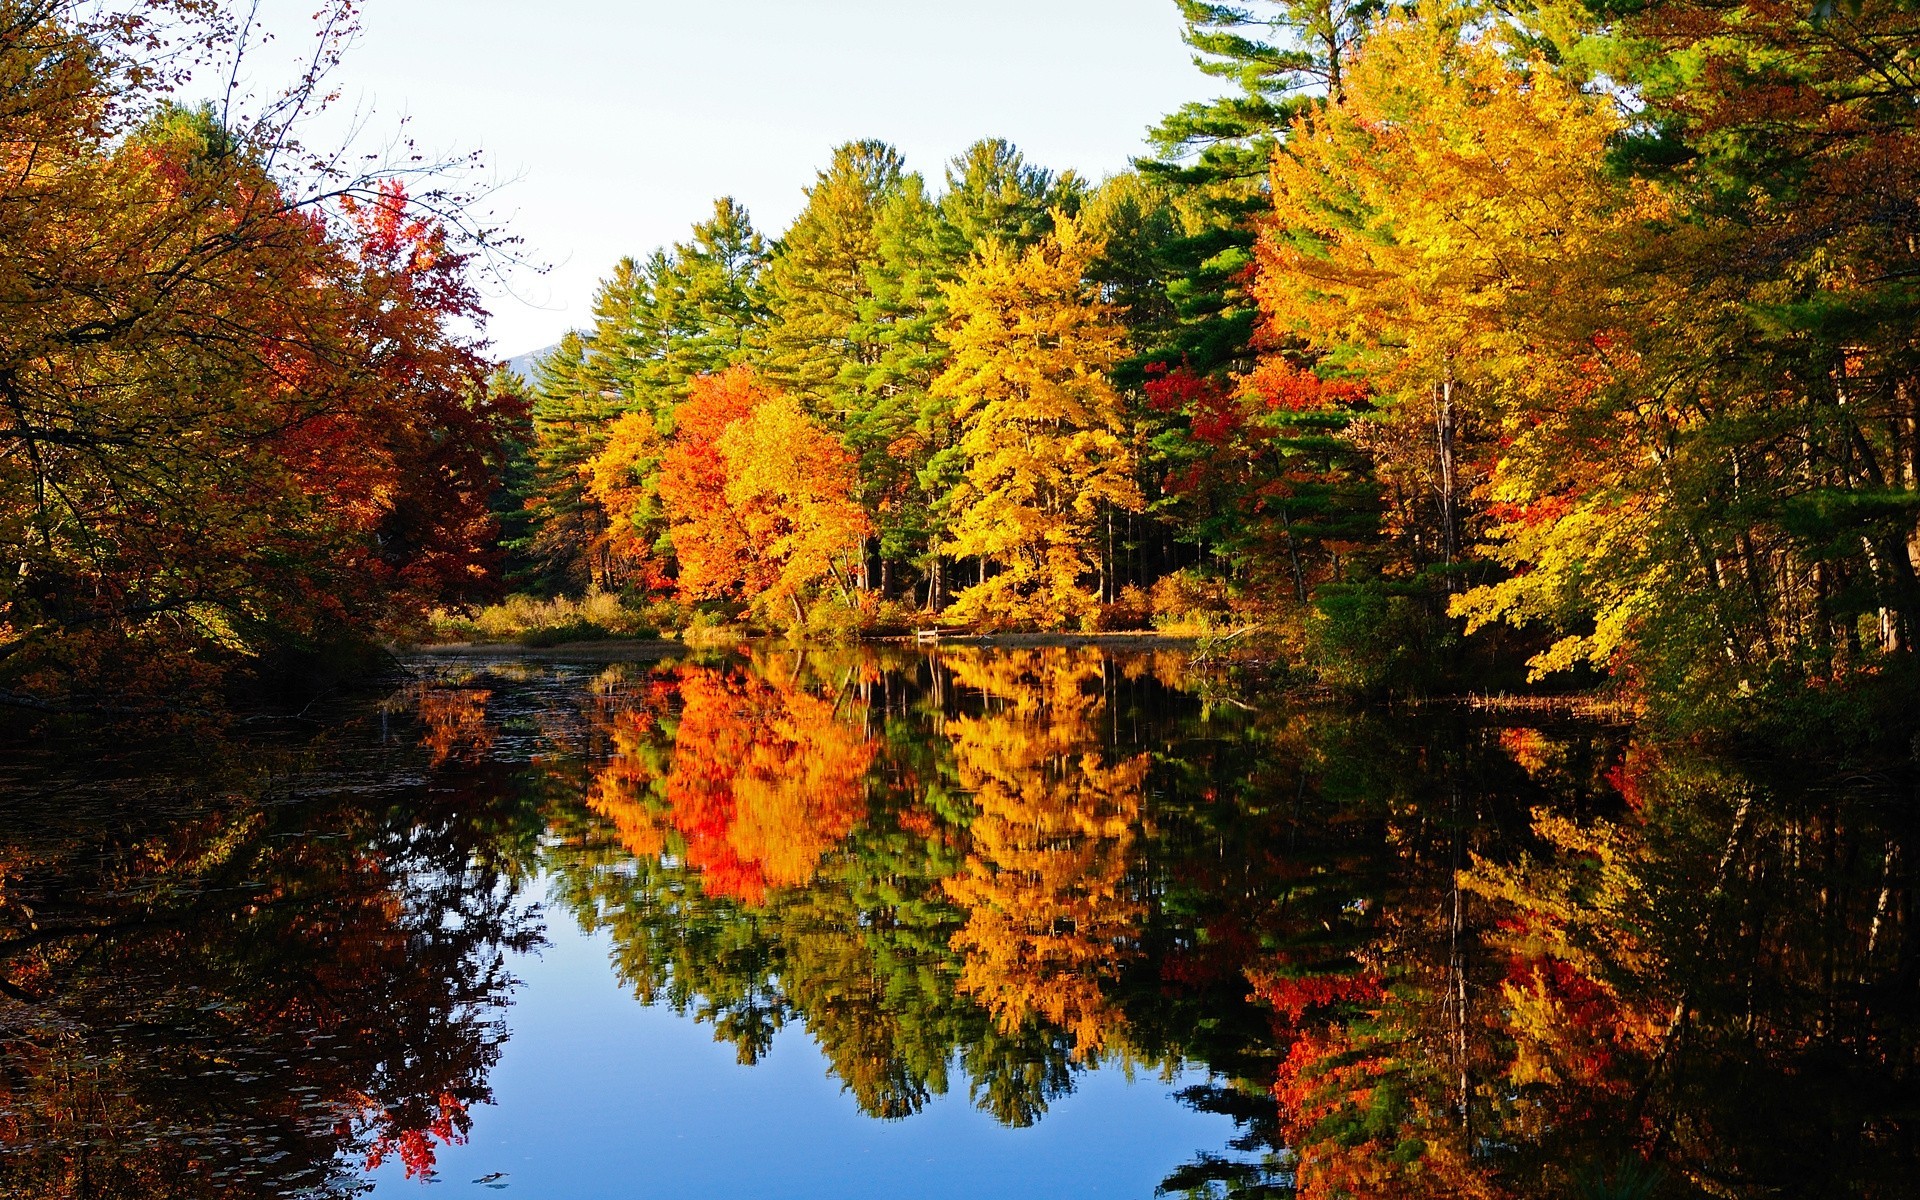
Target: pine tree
[658,324]
[995,196]
[571,411]
[821,276]
[709,297]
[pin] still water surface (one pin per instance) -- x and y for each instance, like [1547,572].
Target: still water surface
[1027,923]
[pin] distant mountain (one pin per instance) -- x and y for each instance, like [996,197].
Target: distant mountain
[523,364]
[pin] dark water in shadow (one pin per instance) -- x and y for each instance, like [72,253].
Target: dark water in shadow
[1024,922]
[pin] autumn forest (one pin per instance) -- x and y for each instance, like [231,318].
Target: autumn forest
[1452,346]
[1367,655]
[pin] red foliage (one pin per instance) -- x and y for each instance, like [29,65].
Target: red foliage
[1213,416]
[1544,511]
[1292,996]
[414,1140]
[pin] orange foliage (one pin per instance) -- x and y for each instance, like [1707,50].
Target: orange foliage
[760,497]
[456,722]
[765,777]
[707,539]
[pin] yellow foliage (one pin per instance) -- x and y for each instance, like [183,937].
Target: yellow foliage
[790,485]
[1454,218]
[1449,181]
[1050,915]
[620,479]
[1045,435]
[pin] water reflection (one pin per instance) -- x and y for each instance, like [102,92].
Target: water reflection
[1417,954]
[242,977]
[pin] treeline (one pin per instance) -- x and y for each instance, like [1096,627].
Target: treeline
[959,371]
[238,421]
[1596,320]
[1592,322]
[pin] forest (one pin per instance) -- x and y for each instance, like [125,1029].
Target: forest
[1454,344]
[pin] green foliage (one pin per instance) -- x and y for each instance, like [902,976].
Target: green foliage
[1372,636]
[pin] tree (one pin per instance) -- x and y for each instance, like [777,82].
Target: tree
[713,553]
[1044,436]
[658,324]
[571,409]
[819,280]
[199,469]
[759,497]
[1753,513]
[1447,233]
[791,488]
[623,480]
[709,297]
[903,435]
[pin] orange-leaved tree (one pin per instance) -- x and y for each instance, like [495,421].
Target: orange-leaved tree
[709,547]
[758,496]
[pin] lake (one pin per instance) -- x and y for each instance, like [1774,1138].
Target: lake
[951,922]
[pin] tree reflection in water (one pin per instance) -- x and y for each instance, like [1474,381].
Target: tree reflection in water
[1421,954]
[255,975]
[1418,954]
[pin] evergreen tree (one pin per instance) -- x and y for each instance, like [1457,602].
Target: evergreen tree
[814,345]
[708,297]
[895,427]
[994,195]
[571,412]
[658,325]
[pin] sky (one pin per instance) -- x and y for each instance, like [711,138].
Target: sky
[612,125]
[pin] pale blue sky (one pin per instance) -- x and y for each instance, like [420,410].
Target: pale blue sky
[623,119]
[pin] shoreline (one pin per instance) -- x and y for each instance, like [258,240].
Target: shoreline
[662,648]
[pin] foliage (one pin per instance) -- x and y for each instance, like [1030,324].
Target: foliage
[197,469]
[1044,436]
[760,497]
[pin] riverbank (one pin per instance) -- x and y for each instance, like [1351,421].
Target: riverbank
[629,648]
[604,650]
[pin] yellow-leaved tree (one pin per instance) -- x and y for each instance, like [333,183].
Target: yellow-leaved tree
[790,486]
[1452,229]
[623,479]
[1045,435]
[1052,918]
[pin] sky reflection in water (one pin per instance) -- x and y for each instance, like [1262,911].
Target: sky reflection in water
[599,1097]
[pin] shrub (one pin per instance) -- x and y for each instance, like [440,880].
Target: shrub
[535,622]
[1186,601]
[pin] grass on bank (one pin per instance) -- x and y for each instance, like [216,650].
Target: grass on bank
[1182,604]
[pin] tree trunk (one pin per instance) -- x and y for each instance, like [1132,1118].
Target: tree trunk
[1449,512]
